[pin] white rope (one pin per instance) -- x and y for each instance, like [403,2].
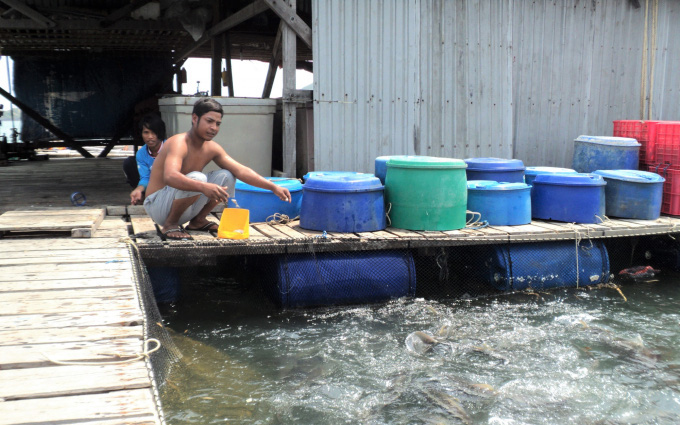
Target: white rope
[278,218]
[387,214]
[144,354]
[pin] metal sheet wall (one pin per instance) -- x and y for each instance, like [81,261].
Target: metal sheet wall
[497,78]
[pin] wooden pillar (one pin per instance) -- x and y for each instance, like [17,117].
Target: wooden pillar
[227,58]
[288,47]
[216,65]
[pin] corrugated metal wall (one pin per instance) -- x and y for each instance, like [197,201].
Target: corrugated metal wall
[486,77]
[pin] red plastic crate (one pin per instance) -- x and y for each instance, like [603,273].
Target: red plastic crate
[642,131]
[670,203]
[667,143]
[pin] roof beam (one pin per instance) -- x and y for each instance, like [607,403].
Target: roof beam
[123,12]
[88,24]
[236,18]
[22,8]
[288,15]
[273,63]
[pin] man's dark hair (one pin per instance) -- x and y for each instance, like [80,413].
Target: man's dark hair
[206,104]
[154,123]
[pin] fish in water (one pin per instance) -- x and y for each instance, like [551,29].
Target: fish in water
[447,402]
[421,342]
[639,273]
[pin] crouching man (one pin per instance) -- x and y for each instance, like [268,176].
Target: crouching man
[178,191]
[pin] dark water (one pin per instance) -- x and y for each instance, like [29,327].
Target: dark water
[559,357]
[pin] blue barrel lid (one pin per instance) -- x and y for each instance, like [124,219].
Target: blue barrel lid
[577,179]
[417,161]
[634,176]
[534,171]
[328,173]
[608,140]
[343,183]
[494,164]
[493,185]
[293,185]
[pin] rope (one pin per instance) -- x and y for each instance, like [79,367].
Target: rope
[144,354]
[278,218]
[387,214]
[474,224]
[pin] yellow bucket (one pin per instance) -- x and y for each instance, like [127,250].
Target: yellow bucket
[234,224]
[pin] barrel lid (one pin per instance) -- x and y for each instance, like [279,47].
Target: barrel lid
[493,185]
[417,161]
[608,140]
[293,185]
[577,179]
[634,176]
[534,171]
[329,173]
[343,183]
[494,164]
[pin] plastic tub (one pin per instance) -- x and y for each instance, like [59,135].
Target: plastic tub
[337,203]
[246,130]
[605,153]
[426,193]
[381,165]
[544,265]
[262,203]
[500,204]
[329,173]
[573,198]
[303,280]
[632,193]
[495,169]
[530,173]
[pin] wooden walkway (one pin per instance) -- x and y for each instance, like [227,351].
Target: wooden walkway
[70,307]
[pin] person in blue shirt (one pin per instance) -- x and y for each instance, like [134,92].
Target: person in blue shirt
[138,168]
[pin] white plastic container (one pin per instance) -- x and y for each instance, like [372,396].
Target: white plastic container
[245,133]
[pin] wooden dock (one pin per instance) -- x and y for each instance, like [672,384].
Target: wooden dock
[70,315]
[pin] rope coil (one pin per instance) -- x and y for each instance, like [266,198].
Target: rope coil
[138,356]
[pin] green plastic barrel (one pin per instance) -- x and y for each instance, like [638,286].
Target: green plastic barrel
[426,193]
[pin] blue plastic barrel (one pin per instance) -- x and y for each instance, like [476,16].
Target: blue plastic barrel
[500,204]
[262,203]
[530,173]
[544,265]
[632,193]
[165,283]
[574,198]
[605,153]
[328,173]
[337,203]
[304,280]
[495,169]
[381,165]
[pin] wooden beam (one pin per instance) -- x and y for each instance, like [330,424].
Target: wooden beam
[273,63]
[289,16]
[45,123]
[216,63]
[242,15]
[123,12]
[21,7]
[89,24]
[289,48]
[227,58]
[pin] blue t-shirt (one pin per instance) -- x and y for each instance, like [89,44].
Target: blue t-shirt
[144,164]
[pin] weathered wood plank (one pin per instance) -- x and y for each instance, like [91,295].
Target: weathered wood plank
[136,210]
[45,355]
[133,407]
[64,257]
[15,276]
[46,244]
[18,384]
[48,285]
[116,210]
[78,319]
[111,266]
[289,231]
[125,293]
[403,233]
[112,227]
[61,335]
[269,231]
[73,305]
[143,227]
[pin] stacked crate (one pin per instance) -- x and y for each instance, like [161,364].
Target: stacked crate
[667,163]
[643,132]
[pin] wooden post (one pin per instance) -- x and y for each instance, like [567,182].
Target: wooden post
[216,65]
[289,50]
[273,63]
[227,58]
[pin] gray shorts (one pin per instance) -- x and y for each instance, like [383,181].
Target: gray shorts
[159,203]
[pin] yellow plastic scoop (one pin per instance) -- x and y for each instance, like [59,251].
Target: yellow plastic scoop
[234,224]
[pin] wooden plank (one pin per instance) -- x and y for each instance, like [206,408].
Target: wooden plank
[134,407]
[83,213]
[136,210]
[88,231]
[44,355]
[253,233]
[554,227]
[74,305]
[61,335]
[287,13]
[380,234]
[289,65]
[402,233]
[46,244]
[16,276]
[123,293]
[116,210]
[269,231]
[17,384]
[64,284]
[289,231]
[143,227]
[78,319]
[104,265]
[112,227]
[59,257]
